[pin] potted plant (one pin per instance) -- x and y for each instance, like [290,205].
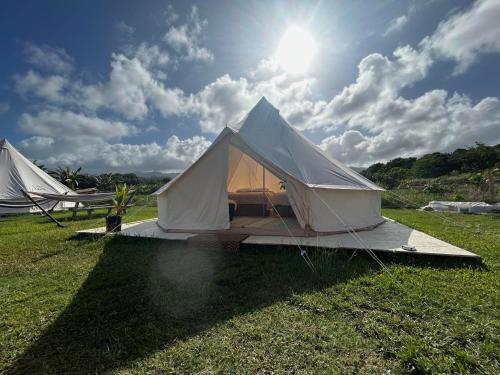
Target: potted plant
[114,222]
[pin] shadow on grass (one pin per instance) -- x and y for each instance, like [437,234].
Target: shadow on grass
[143,295]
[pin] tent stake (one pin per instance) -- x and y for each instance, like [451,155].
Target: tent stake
[41,208]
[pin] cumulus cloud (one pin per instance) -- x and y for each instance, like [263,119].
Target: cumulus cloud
[123,28]
[50,88]
[48,58]
[372,121]
[186,38]
[134,89]
[174,155]
[466,35]
[226,100]
[378,83]
[434,121]
[67,124]
[170,14]
[134,85]
[396,24]
[131,87]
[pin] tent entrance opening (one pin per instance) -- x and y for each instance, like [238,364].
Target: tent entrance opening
[254,191]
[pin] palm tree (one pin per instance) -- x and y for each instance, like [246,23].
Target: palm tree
[67,176]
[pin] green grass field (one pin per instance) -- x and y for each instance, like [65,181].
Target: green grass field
[116,305]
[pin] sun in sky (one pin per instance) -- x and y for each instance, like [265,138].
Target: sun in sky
[296,50]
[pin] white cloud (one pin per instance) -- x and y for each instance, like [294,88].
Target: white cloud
[133,88]
[136,83]
[48,58]
[38,146]
[134,91]
[123,28]
[403,127]
[466,35]
[70,125]
[4,107]
[50,88]
[396,24]
[186,38]
[176,154]
[379,124]
[170,14]
[378,83]
[222,102]
[226,100]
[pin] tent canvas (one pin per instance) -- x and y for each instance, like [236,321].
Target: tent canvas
[325,195]
[16,173]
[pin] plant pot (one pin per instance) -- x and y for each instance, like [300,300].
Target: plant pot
[113,223]
[232,208]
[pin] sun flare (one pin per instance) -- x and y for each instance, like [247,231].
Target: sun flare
[296,50]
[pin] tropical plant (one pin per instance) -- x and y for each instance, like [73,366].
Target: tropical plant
[120,199]
[105,181]
[67,176]
[434,187]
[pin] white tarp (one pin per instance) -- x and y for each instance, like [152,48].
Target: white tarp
[461,207]
[263,142]
[16,173]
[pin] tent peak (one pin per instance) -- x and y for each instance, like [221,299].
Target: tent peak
[262,107]
[263,102]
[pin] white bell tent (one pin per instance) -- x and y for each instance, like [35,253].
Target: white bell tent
[16,173]
[263,157]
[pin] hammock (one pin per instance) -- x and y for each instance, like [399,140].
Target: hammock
[22,203]
[97,197]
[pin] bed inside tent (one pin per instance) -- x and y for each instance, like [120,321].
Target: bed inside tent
[258,200]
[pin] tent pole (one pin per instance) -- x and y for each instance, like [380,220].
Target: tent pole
[41,208]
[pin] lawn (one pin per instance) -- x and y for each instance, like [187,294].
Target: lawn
[119,305]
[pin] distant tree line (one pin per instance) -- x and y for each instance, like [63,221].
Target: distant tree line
[74,179]
[479,159]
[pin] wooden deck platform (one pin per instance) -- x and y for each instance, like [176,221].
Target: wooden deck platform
[390,236]
[143,228]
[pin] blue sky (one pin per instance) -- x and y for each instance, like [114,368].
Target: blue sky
[140,86]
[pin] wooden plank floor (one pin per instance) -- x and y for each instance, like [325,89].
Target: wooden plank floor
[388,237]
